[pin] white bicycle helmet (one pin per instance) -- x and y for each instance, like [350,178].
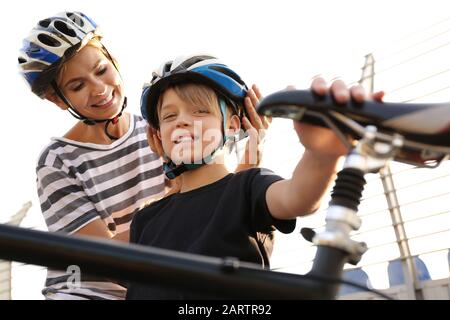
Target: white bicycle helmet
[203,69]
[48,42]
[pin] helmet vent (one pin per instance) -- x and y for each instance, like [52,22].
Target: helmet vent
[75,19]
[33,48]
[44,23]
[49,41]
[65,29]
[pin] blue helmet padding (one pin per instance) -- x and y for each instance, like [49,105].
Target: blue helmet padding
[49,41]
[231,85]
[144,98]
[35,52]
[89,19]
[31,76]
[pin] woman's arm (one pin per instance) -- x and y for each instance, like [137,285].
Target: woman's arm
[66,207]
[98,229]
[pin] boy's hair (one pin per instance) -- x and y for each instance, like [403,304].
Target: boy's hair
[197,94]
[201,69]
[198,80]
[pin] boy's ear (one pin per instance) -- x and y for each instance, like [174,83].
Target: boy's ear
[235,123]
[154,144]
[158,133]
[53,97]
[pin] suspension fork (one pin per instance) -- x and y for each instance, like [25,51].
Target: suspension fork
[335,247]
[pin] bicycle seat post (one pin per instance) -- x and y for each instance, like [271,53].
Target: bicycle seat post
[335,247]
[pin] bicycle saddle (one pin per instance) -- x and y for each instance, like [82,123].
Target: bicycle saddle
[423,126]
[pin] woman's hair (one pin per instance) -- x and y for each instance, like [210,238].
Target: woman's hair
[56,71]
[197,95]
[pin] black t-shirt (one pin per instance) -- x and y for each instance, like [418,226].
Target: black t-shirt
[228,218]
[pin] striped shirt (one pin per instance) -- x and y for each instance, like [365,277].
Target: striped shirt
[82,182]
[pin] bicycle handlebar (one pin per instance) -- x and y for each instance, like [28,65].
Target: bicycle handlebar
[425,128]
[229,277]
[128,262]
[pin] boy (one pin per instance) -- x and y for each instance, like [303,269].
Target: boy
[194,103]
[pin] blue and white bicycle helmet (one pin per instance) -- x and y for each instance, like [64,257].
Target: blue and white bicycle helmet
[43,50]
[48,42]
[202,69]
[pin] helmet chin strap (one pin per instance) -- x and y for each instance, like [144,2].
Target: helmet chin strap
[89,121]
[173,170]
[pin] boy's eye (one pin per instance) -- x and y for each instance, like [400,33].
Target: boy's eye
[202,111]
[168,116]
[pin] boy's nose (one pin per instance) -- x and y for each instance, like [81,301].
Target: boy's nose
[183,122]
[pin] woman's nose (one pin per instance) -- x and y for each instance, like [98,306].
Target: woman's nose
[99,88]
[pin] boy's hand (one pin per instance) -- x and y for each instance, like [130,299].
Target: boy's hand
[323,141]
[256,126]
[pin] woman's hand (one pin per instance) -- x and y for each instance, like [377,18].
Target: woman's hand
[256,126]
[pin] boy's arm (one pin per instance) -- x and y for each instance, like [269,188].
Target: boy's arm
[301,195]
[316,170]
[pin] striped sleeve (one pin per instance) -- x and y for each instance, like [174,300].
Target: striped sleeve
[64,204]
[79,183]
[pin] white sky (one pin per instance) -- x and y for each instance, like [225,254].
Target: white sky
[271,43]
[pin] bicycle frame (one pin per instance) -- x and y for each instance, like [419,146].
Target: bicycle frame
[227,277]
[383,132]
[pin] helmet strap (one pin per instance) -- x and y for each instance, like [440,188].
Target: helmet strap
[86,120]
[110,57]
[89,121]
[173,170]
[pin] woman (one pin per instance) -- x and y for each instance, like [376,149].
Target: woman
[92,180]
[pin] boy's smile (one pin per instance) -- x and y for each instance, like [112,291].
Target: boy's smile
[184,137]
[188,133]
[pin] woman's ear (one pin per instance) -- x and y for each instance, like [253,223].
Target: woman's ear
[53,97]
